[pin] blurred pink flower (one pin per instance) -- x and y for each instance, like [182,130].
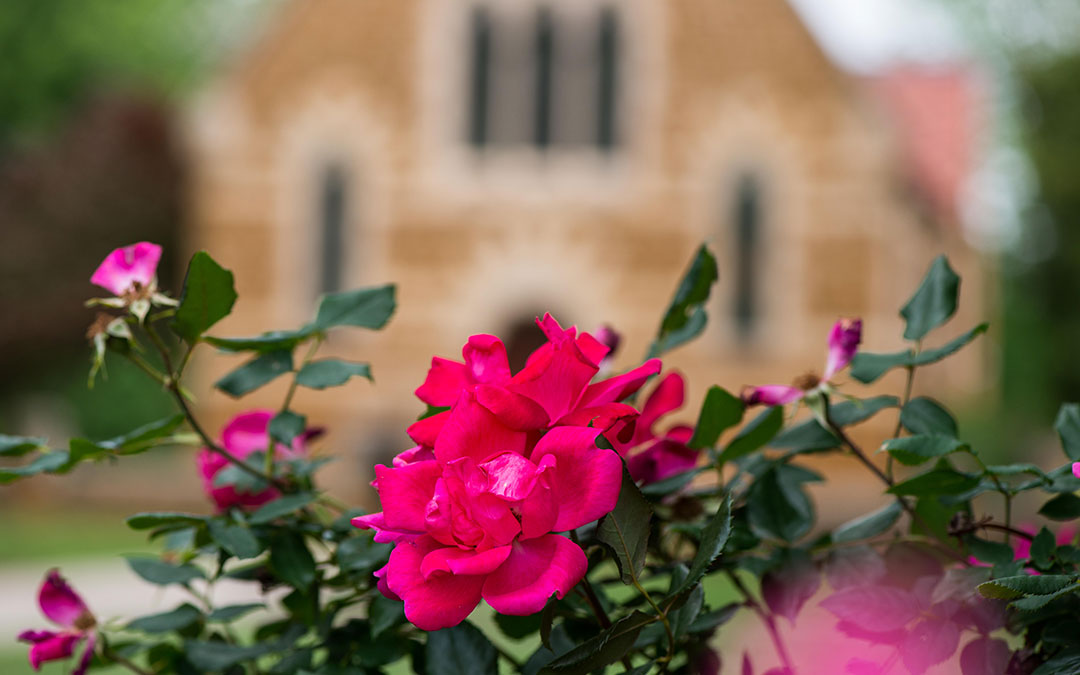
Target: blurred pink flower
[844,341]
[1076,469]
[650,455]
[63,606]
[244,434]
[131,268]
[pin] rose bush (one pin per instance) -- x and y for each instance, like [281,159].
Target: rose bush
[600,532]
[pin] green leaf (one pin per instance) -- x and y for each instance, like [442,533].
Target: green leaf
[286,425]
[777,506]
[146,521]
[326,373]
[17,446]
[867,367]
[847,413]
[688,607]
[255,373]
[163,573]
[217,656]
[282,506]
[45,462]
[236,539]
[941,481]
[914,450]
[365,308]
[1066,663]
[460,650]
[811,436]
[1042,547]
[673,483]
[1065,506]
[626,529]
[1067,426]
[177,619]
[869,525]
[208,297]
[273,341]
[686,317]
[925,416]
[1008,588]
[359,553]
[755,434]
[934,302]
[230,613]
[992,552]
[384,613]
[719,412]
[712,542]
[602,650]
[291,559]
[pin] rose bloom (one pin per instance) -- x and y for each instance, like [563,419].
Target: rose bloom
[475,508]
[63,606]
[844,339]
[128,269]
[650,455]
[244,434]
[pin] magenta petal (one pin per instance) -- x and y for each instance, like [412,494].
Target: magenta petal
[473,431]
[445,380]
[419,453]
[36,635]
[53,649]
[1076,469]
[485,360]
[442,601]
[602,417]
[619,387]
[59,603]
[405,492]
[382,586]
[557,379]
[510,476]
[87,656]
[844,341]
[425,431]
[535,570]
[584,480]
[594,348]
[463,561]
[771,394]
[663,459]
[517,412]
[127,265]
[247,433]
[383,534]
[668,396]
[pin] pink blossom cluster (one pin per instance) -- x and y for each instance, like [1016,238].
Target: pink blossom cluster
[63,606]
[476,507]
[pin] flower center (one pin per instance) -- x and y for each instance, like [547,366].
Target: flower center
[807,381]
[85,621]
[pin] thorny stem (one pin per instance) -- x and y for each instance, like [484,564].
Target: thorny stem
[663,618]
[1002,488]
[899,425]
[269,468]
[1007,530]
[596,606]
[768,619]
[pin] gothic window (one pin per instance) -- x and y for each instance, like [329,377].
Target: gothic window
[332,206]
[544,78]
[746,220]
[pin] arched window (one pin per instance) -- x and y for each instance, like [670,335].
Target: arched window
[332,208]
[746,218]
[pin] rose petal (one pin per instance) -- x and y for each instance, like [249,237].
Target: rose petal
[473,431]
[419,453]
[87,656]
[844,341]
[426,431]
[517,412]
[510,476]
[668,396]
[405,492]
[556,378]
[771,394]
[383,534]
[442,601]
[36,635]
[54,649]
[463,561]
[445,380]
[662,459]
[125,266]
[536,569]
[584,480]
[59,602]
[619,387]
[485,360]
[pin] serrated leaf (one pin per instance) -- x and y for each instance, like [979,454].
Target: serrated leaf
[359,553]
[282,506]
[1066,663]
[866,367]
[208,297]
[146,521]
[177,619]
[363,308]
[273,341]
[255,373]
[1067,426]
[46,462]
[602,650]
[460,650]
[923,415]
[915,450]
[384,613]
[991,552]
[626,529]
[1042,547]
[941,481]
[326,373]
[163,573]
[713,539]
[285,426]
[754,434]
[685,317]
[934,302]
[1008,588]
[292,561]
[777,507]
[230,613]
[1065,506]
[869,525]
[236,539]
[719,412]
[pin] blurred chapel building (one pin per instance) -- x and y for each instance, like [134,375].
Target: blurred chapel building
[503,158]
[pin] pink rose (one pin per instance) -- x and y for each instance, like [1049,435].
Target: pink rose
[63,606]
[844,341]
[127,269]
[244,434]
[652,456]
[474,509]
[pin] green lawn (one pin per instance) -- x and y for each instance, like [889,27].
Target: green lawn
[54,537]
